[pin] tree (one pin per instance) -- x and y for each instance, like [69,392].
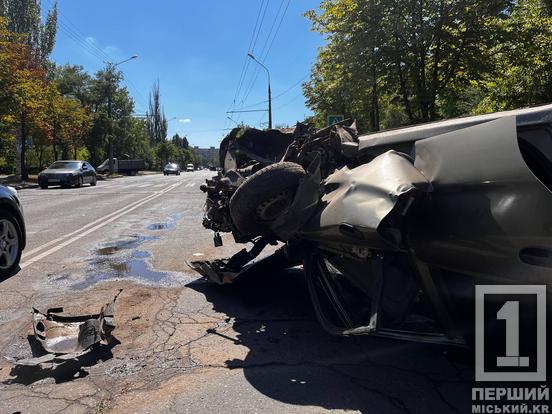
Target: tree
[181,142]
[166,151]
[23,17]
[411,56]
[522,74]
[156,120]
[73,81]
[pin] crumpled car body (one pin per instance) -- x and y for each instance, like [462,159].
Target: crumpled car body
[397,227]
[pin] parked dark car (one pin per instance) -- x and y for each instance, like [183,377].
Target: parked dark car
[171,168]
[68,173]
[12,231]
[395,228]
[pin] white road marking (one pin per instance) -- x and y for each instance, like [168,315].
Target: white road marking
[89,228]
[190,184]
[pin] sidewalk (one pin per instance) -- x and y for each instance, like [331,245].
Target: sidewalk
[13,181]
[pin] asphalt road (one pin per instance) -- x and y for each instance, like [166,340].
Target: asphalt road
[184,344]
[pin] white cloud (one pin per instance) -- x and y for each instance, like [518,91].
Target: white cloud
[185,120]
[109,50]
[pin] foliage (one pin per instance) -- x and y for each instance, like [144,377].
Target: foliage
[395,62]
[156,120]
[23,17]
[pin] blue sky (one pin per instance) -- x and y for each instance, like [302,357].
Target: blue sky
[197,50]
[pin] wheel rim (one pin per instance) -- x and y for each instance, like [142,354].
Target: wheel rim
[273,207]
[9,244]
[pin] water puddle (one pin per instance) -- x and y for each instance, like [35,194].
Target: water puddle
[121,260]
[160,226]
[169,225]
[137,267]
[124,259]
[130,243]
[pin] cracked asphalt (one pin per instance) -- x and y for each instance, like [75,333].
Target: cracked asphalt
[183,344]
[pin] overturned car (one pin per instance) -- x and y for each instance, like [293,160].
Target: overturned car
[394,228]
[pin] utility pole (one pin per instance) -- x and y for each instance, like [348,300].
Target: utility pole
[269,90]
[111,86]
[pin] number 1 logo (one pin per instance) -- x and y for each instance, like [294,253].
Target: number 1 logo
[509,312]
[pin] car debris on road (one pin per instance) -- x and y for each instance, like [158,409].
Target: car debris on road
[66,337]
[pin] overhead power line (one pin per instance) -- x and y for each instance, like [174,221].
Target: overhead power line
[264,56]
[279,95]
[252,42]
[72,31]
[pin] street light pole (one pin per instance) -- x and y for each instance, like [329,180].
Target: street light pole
[110,69]
[269,90]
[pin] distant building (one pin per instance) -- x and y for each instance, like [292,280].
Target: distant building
[207,156]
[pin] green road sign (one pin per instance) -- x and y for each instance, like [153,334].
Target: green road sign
[334,119]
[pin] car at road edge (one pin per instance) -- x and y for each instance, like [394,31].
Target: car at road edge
[67,173]
[12,231]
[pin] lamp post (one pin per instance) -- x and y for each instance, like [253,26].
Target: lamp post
[269,91]
[110,70]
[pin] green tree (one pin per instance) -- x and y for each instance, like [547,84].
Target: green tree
[405,61]
[156,120]
[181,142]
[522,74]
[23,17]
[166,151]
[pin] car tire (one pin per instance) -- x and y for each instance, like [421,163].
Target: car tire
[264,196]
[44,186]
[93,182]
[9,268]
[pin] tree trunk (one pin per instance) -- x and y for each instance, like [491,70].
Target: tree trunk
[22,138]
[54,139]
[374,115]
[436,60]
[404,91]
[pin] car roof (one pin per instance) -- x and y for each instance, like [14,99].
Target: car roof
[524,117]
[69,161]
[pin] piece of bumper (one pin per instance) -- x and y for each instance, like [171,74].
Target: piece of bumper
[66,337]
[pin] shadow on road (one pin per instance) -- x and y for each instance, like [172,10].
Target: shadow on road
[292,360]
[67,371]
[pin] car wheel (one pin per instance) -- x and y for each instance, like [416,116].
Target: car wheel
[264,196]
[93,182]
[44,186]
[10,244]
[79,182]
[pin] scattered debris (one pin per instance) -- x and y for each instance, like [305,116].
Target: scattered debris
[68,337]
